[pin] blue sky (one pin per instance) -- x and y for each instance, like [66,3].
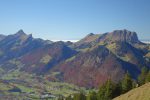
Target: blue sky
[73,19]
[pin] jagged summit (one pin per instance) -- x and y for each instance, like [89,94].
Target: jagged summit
[90,34]
[22,35]
[124,35]
[20,32]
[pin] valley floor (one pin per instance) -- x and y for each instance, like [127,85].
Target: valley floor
[23,86]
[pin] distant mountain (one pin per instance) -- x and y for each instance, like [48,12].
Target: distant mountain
[120,35]
[31,55]
[115,36]
[140,93]
[88,62]
[18,44]
[105,56]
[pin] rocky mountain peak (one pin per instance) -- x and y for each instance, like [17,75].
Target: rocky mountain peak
[90,34]
[20,32]
[21,36]
[124,35]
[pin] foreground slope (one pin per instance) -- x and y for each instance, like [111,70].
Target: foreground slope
[140,93]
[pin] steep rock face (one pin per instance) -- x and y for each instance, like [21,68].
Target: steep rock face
[121,35]
[94,67]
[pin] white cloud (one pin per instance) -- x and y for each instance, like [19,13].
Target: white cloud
[65,40]
[145,41]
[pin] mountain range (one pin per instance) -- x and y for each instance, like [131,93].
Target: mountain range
[88,62]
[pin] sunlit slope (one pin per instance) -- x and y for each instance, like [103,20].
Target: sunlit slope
[140,93]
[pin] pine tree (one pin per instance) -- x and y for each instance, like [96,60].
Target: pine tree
[101,92]
[117,90]
[148,77]
[69,98]
[127,83]
[109,90]
[142,76]
[92,96]
[79,96]
[106,92]
[60,98]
